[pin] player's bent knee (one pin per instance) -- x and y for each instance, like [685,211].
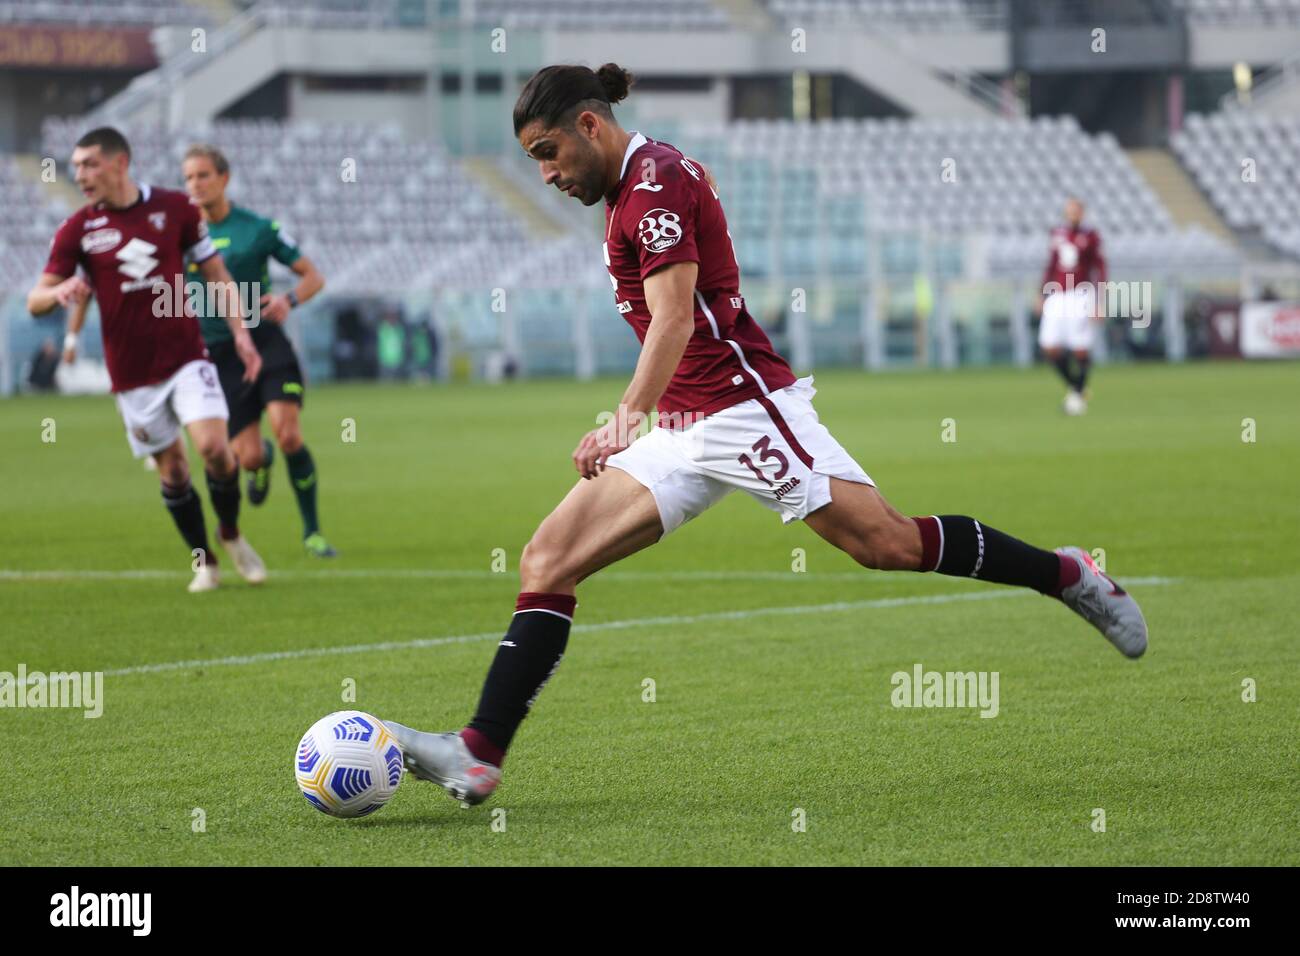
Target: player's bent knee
[289,439]
[211,448]
[543,567]
[248,454]
[173,471]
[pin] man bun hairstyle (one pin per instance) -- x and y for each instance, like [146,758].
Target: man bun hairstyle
[615,80]
[556,94]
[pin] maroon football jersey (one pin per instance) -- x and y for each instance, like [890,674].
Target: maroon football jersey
[1074,257]
[664,211]
[125,253]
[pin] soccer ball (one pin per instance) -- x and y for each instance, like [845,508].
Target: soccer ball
[348,764]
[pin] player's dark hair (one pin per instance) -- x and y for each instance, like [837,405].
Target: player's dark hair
[556,94]
[109,141]
[213,155]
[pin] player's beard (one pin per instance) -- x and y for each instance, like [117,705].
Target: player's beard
[590,182]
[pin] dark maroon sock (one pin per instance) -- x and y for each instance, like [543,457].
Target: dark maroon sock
[1068,574]
[481,747]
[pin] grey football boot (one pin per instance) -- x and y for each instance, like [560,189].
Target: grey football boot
[445,760]
[1105,605]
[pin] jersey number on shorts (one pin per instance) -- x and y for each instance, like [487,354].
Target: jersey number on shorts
[765,452]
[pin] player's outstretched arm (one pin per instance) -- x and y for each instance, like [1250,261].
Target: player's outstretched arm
[213,269]
[51,290]
[670,296]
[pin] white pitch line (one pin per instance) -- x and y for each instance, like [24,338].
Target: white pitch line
[670,620]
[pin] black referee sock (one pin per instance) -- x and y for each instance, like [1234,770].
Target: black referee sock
[302,473]
[525,660]
[224,493]
[187,511]
[960,546]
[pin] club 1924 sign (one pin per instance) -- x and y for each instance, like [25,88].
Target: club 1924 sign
[37,47]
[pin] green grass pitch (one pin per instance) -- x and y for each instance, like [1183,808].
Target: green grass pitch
[759,711]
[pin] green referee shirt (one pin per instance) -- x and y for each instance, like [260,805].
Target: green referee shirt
[246,242]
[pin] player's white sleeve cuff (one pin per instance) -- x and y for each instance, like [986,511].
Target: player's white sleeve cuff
[201,251]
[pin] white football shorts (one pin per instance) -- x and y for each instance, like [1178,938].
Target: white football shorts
[154,414]
[773,448]
[1067,320]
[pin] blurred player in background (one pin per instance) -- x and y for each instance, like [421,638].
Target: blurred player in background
[133,242]
[247,241]
[1070,303]
[731,416]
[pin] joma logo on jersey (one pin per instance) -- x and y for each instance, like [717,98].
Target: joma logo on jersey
[158,220]
[659,229]
[786,488]
[137,262]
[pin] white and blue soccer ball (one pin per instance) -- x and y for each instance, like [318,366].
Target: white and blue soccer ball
[348,764]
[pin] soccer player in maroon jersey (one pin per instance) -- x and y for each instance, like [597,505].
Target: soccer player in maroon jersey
[133,242]
[1070,302]
[731,416]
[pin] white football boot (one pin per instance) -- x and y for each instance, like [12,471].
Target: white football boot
[247,563]
[445,760]
[206,578]
[1075,404]
[1105,605]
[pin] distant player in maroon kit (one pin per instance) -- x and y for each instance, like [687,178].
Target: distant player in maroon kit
[133,242]
[731,416]
[1070,303]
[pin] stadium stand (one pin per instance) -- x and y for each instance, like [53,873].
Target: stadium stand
[1012,175]
[1245,163]
[346,14]
[794,185]
[1240,13]
[512,14]
[27,221]
[601,14]
[911,15]
[935,15]
[404,222]
[923,16]
[802,198]
[104,13]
